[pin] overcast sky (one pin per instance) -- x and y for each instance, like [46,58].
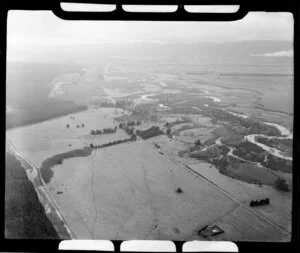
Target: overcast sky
[43,27]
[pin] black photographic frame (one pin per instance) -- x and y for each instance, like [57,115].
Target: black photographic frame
[13,245]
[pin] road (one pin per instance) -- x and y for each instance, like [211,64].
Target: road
[51,208]
[197,174]
[57,215]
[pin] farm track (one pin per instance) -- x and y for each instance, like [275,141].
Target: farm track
[154,211]
[84,223]
[93,197]
[126,175]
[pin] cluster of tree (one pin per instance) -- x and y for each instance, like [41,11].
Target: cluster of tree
[123,103]
[249,151]
[278,163]
[139,111]
[132,138]
[150,132]
[130,123]
[222,165]
[104,131]
[281,184]
[260,202]
[128,129]
[214,152]
[78,126]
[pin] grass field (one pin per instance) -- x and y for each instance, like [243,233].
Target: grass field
[279,211]
[238,228]
[251,173]
[129,190]
[43,140]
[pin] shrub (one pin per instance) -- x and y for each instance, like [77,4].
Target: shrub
[198,143]
[130,123]
[178,190]
[133,137]
[281,184]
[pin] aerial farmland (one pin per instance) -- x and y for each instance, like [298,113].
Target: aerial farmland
[156,141]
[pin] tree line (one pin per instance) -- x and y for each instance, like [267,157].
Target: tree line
[130,123]
[150,132]
[104,131]
[132,138]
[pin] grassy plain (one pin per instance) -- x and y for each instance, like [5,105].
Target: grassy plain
[46,139]
[279,210]
[129,190]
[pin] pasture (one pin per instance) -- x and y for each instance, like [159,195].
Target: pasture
[40,141]
[279,211]
[129,191]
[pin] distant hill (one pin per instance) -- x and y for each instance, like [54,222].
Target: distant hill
[210,53]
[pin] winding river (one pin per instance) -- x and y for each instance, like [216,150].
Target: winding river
[285,134]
